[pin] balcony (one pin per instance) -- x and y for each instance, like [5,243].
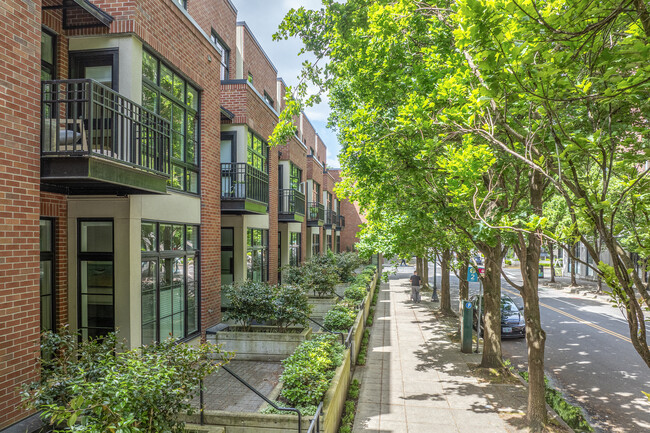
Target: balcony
[96,141]
[316,214]
[292,206]
[244,189]
[341,223]
[330,219]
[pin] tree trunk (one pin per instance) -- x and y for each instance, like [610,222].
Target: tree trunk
[463,284]
[492,356]
[573,266]
[418,265]
[425,272]
[445,292]
[529,251]
[552,255]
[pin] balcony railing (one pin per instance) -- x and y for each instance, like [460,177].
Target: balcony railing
[241,181]
[316,211]
[341,221]
[330,217]
[291,202]
[84,118]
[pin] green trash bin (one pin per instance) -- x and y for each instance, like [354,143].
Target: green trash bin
[466,329]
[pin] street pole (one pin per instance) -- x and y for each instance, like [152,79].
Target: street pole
[480,305]
[434,298]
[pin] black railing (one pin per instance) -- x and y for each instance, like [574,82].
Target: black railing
[291,201]
[241,181]
[314,427]
[84,117]
[330,217]
[341,221]
[316,211]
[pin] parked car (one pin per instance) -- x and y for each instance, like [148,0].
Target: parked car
[513,324]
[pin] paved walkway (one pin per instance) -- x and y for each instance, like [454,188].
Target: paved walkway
[416,380]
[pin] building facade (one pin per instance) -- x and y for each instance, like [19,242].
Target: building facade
[136,177]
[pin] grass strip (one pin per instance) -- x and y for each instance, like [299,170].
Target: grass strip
[347,422]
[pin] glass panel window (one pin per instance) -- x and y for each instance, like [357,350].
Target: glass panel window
[47,274]
[315,244]
[258,152]
[173,98]
[295,177]
[169,285]
[257,254]
[295,248]
[48,55]
[96,236]
[224,51]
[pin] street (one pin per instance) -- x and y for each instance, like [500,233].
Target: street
[589,356]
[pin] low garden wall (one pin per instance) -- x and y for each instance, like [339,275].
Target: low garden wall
[261,346]
[321,305]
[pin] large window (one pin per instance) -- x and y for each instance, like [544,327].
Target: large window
[295,248]
[48,55]
[223,49]
[96,278]
[257,254]
[258,153]
[329,242]
[315,244]
[169,281]
[47,275]
[316,193]
[295,177]
[170,95]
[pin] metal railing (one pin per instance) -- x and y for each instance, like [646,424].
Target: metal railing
[330,217]
[291,201]
[240,181]
[84,117]
[341,221]
[315,423]
[316,211]
[259,394]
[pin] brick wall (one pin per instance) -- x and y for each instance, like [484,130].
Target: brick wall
[353,218]
[19,201]
[321,151]
[220,16]
[256,62]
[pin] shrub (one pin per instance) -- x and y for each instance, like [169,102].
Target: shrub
[355,293]
[346,263]
[250,301]
[318,275]
[96,386]
[340,318]
[508,262]
[308,372]
[291,307]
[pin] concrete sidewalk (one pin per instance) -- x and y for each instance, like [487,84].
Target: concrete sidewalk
[416,380]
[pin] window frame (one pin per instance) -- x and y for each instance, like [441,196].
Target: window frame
[50,256]
[157,255]
[225,56]
[50,67]
[295,173]
[297,247]
[251,152]
[160,92]
[265,246]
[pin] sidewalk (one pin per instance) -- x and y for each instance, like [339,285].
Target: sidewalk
[417,381]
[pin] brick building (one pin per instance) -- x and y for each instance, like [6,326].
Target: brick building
[135,175]
[350,216]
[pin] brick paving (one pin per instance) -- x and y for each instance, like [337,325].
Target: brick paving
[224,392]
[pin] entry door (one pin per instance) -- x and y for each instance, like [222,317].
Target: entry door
[100,66]
[230,187]
[227,255]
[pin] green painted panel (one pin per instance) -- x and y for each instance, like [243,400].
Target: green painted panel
[119,174]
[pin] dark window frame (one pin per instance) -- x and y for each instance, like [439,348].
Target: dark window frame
[93,256]
[295,176]
[251,152]
[265,246]
[225,55]
[315,244]
[297,247]
[160,92]
[88,57]
[50,256]
[51,67]
[157,255]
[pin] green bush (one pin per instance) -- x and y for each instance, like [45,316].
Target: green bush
[340,318]
[308,372]
[346,263]
[508,262]
[250,301]
[363,350]
[97,386]
[349,411]
[370,319]
[319,275]
[571,414]
[355,293]
[355,387]
[291,307]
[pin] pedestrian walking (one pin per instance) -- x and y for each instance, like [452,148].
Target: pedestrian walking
[415,287]
[403,263]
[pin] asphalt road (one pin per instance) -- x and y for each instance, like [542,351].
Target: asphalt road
[589,357]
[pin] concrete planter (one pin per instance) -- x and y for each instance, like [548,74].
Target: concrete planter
[261,346]
[321,305]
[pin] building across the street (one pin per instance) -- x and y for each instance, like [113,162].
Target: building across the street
[136,178]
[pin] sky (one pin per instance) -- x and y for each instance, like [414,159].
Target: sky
[263,17]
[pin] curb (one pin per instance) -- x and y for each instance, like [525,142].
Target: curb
[550,410]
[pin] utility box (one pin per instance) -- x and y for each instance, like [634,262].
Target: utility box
[466,329]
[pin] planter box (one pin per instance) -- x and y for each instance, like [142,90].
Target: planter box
[260,346]
[321,305]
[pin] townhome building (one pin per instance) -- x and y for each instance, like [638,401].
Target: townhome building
[135,174]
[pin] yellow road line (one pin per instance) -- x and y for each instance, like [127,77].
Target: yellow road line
[579,320]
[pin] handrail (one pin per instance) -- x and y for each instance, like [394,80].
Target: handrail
[328,330]
[259,394]
[315,422]
[291,201]
[83,117]
[240,180]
